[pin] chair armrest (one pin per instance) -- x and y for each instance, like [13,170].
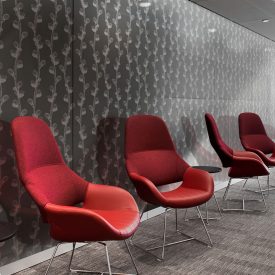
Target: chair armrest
[263,157]
[146,189]
[104,197]
[74,221]
[247,166]
[198,179]
[68,215]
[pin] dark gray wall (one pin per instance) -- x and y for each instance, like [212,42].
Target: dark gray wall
[164,60]
[35,79]
[125,60]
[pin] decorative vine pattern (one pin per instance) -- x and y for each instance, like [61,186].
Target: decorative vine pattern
[65,68]
[36,54]
[16,54]
[31,63]
[95,84]
[121,59]
[85,86]
[140,60]
[53,70]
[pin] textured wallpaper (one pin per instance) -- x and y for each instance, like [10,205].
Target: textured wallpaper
[85,70]
[35,79]
[174,59]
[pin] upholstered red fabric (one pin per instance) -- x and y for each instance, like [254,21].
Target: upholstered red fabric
[247,164]
[151,132]
[254,137]
[149,147]
[242,164]
[151,160]
[148,163]
[41,167]
[197,187]
[108,213]
[56,184]
[35,144]
[223,150]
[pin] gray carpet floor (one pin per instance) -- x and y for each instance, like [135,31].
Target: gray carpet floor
[244,243]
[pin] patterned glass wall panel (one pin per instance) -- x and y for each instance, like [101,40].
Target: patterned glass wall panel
[35,79]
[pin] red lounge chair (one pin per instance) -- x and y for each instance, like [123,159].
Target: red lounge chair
[107,212]
[242,164]
[152,161]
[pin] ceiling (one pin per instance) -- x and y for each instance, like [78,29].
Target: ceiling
[248,13]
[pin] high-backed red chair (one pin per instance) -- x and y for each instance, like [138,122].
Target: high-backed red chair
[76,210]
[152,161]
[255,139]
[241,164]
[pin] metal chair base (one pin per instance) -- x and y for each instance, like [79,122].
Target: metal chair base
[96,272]
[243,209]
[109,272]
[268,189]
[164,244]
[206,217]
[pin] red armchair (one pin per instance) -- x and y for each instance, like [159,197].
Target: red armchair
[255,139]
[107,212]
[241,164]
[152,161]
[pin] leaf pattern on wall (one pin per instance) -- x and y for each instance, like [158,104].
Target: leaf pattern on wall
[35,80]
[164,60]
[84,71]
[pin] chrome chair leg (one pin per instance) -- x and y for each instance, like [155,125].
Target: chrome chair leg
[108,262]
[268,189]
[141,215]
[243,209]
[54,252]
[207,218]
[108,259]
[71,258]
[244,184]
[218,206]
[209,238]
[164,235]
[268,186]
[176,213]
[185,215]
[164,244]
[226,190]
[206,213]
[262,194]
[131,256]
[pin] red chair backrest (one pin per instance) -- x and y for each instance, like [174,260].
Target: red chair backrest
[224,152]
[41,167]
[150,151]
[252,133]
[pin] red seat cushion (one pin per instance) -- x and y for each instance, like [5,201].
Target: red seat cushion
[125,221]
[108,213]
[184,197]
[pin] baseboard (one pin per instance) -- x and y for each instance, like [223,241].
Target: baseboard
[35,259]
[64,248]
